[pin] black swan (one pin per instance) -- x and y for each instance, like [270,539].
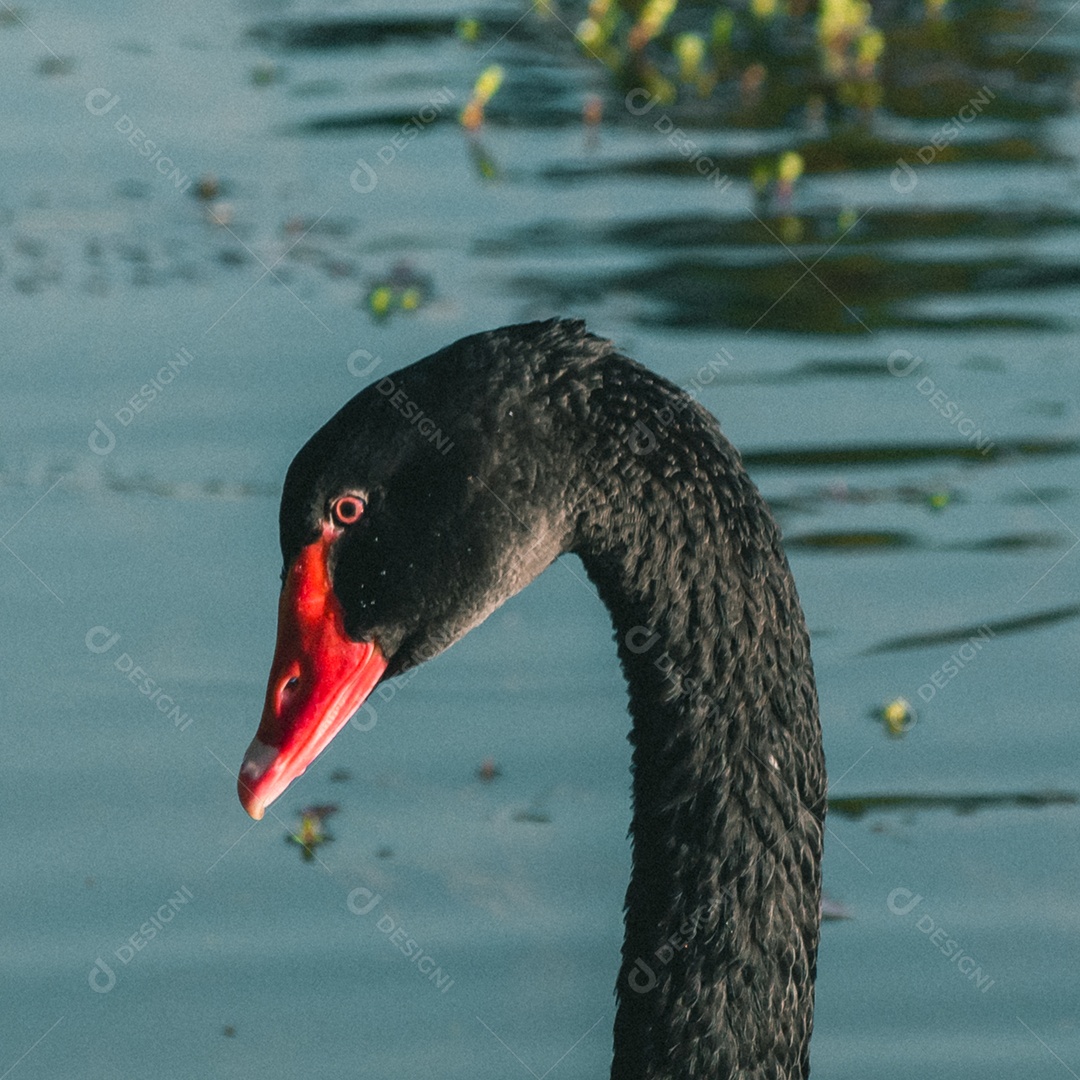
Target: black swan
[439,492]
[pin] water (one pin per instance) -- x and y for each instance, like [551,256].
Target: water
[149,927]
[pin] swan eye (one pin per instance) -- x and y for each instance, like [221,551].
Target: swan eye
[346,509]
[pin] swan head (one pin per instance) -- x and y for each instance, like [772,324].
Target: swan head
[428,500]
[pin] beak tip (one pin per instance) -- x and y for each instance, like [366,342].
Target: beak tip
[257,762]
[249,800]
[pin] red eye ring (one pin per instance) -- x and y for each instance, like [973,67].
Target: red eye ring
[347,509]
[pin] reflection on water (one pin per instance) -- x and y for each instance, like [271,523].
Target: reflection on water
[964,633]
[818,457]
[857,806]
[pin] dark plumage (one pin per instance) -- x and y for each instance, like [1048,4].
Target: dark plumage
[546,440]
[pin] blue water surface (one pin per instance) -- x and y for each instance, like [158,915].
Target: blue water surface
[149,928]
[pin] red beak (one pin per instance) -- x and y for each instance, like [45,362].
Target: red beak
[318,679]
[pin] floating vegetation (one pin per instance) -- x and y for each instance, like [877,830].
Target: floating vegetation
[690,51]
[876,540]
[748,54]
[487,86]
[310,833]
[774,181]
[208,187]
[897,716]
[220,213]
[833,75]
[857,806]
[468,29]
[89,480]
[831,87]
[592,112]
[264,73]
[402,290]
[841,60]
[487,771]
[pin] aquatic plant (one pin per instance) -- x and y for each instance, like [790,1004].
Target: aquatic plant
[309,833]
[485,88]
[897,716]
[403,289]
[659,44]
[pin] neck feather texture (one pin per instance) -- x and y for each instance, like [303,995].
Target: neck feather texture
[722,911]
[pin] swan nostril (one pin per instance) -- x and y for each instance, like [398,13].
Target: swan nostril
[287,689]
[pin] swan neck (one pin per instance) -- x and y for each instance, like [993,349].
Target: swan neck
[722,911]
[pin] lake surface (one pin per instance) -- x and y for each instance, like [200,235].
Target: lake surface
[893,344]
